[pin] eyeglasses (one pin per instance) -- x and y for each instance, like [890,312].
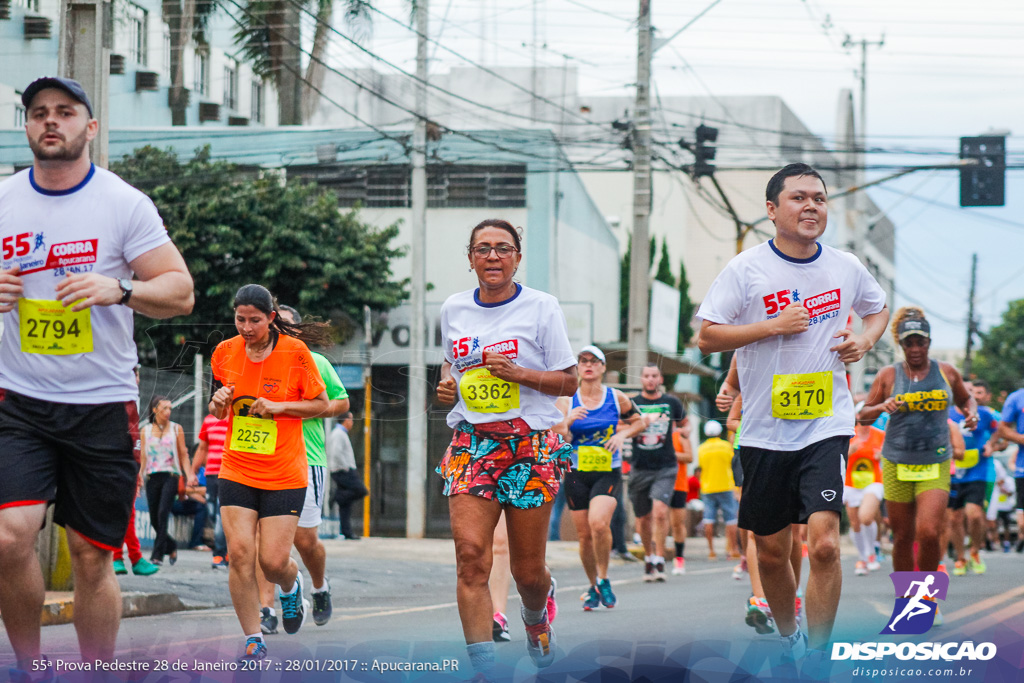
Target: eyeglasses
[590,361]
[502,250]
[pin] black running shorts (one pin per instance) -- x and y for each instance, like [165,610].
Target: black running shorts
[581,487]
[784,487]
[81,458]
[963,492]
[265,502]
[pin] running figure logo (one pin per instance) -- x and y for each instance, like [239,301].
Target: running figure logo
[916,596]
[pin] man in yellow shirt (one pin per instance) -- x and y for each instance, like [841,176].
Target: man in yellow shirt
[716,488]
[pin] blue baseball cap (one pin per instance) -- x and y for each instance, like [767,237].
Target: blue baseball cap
[71,87]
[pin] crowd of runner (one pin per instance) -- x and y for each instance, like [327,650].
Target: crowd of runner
[916,458]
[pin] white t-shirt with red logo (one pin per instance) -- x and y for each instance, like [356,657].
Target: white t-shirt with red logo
[529,328]
[756,285]
[99,226]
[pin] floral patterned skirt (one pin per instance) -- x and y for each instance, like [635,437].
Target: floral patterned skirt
[505,461]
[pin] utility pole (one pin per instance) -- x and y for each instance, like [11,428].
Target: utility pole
[416,468]
[534,85]
[971,327]
[84,55]
[639,264]
[857,233]
[367,412]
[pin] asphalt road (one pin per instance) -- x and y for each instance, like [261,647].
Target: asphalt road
[395,604]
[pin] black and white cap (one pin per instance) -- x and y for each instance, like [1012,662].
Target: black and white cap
[911,327]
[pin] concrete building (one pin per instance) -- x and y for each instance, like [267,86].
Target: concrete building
[222,88]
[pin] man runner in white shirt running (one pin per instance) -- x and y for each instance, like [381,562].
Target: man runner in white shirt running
[82,250]
[783,306]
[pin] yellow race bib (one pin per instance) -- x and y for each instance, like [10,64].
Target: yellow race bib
[970,459]
[594,459]
[49,328]
[862,478]
[917,472]
[253,435]
[802,397]
[482,392]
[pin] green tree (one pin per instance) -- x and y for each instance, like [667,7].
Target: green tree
[624,271]
[664,272]
[1000,360]
[233,228]
[686,308]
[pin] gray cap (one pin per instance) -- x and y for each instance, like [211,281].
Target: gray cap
[71,87]
[912,326]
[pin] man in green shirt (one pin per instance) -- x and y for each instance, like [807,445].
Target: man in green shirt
[307,536]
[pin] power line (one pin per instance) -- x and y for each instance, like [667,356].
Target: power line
[503,112]
[469,136]
[485,69]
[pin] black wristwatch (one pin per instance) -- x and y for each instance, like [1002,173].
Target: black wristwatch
[126,290]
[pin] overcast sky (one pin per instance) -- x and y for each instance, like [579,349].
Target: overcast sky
[948,68]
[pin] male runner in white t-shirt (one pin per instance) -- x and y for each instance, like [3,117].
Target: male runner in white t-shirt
[81,249]
[783,306]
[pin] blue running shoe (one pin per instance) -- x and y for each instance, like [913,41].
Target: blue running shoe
[593,600]
[294,607]
[604,587]
[255,649]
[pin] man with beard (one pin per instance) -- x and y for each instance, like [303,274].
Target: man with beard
[81,250]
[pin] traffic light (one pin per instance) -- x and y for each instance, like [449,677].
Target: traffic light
[983,182]
[704,151]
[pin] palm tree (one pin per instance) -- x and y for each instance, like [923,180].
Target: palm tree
[270,38]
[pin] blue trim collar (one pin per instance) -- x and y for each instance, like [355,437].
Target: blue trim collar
[476,298]
[810,259]
[60,193]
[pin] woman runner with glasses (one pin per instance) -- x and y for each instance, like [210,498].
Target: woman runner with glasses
[507,355]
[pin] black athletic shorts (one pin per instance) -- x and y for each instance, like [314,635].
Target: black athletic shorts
[581,487]
[1020,493]
[265,502]
[784,487]
[82,458]
[678,501]
[961,493]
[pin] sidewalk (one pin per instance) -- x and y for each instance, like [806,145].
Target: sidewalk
[353,566]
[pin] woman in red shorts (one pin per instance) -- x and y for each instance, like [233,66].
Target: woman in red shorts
[507,356]
[265,382]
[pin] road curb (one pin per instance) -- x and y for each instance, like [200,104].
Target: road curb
[62,610]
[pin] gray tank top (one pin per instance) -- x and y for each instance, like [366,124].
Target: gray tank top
[919,433]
